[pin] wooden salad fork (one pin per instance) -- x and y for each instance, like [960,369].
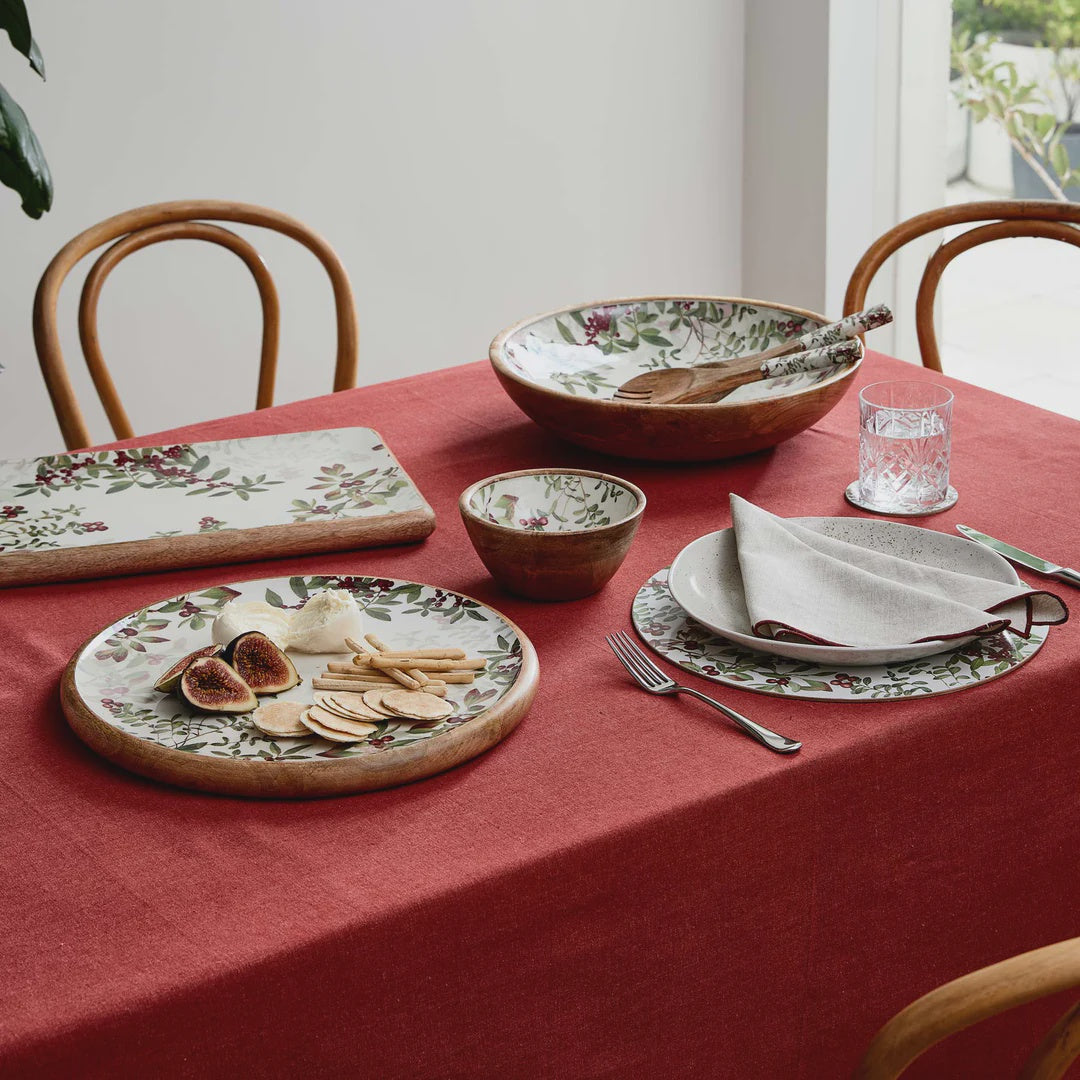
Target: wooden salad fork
[825,347]
[650,678]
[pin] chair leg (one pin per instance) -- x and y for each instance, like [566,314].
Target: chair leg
[1057,1051]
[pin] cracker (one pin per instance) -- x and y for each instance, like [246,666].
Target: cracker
[360,728]
[416,706]
[350,706]
[314,726]
[280,719]
[373,700]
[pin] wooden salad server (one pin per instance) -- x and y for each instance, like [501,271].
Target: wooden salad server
[694,386]
[824,347]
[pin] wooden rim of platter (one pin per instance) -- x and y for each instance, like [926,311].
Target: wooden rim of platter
[495,353]
[305,779]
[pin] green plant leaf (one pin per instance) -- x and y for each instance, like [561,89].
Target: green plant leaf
[14,19]
[1044,125]
[1059,159]
[22,163]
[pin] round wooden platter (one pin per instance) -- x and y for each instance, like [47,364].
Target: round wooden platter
[256,771]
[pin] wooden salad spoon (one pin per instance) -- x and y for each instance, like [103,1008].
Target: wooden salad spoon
[827,346]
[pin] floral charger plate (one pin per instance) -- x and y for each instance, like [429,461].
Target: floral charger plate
[110,702]
[96,513]
[666,628]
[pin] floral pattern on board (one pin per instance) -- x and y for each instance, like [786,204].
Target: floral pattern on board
[120,495]
[667,629]
[343,490]
[591,351]
[115,673]
[148,468]
[20,528]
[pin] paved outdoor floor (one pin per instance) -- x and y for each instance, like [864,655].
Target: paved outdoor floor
[1010,317]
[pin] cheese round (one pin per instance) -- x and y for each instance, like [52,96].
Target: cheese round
[239,616]
[325,621]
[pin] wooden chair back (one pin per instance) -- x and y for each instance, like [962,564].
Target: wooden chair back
[1010,217]
[978,996]
[137,229]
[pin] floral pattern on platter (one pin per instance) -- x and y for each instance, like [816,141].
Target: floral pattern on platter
[553,502]
[668,630]
[271,480]
[590,352]
[115,673]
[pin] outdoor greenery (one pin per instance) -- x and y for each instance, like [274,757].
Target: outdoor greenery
[1053,23]
[992,89]
[22,164]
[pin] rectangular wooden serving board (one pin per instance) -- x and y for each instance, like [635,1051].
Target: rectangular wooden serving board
[103,513]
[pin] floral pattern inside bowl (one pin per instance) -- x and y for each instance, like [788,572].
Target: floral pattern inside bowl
[591,351]
[552,502]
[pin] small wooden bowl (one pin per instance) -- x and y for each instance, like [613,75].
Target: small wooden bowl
[552,534]
[562,369]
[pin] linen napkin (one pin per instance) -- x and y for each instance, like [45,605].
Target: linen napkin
[802,585]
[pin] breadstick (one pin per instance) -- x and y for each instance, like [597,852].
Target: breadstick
[390,684]
[355,686]
[407,679]
[416,663]
[358,670]
[361,672]
[427,654]
[372,681]
[403,673]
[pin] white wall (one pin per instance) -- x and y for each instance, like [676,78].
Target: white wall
[845,136]
[785,164]
[472,161]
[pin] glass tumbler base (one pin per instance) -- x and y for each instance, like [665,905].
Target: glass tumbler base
[853,496]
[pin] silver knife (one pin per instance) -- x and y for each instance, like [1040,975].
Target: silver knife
[1022,558]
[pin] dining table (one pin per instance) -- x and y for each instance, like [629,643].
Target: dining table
[626,886]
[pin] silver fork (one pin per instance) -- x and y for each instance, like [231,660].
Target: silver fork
[649,677]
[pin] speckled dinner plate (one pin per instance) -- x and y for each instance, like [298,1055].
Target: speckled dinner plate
[706,583]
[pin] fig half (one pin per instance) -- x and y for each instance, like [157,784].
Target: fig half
[168,682]
[260,663]
[210,685]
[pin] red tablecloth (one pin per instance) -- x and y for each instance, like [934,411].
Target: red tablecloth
[626,887]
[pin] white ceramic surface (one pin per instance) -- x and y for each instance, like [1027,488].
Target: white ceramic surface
[591,351]
[90,497]
[116,670]
[706,583]
[553,501]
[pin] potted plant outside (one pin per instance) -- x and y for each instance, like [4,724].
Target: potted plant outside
[1022,58]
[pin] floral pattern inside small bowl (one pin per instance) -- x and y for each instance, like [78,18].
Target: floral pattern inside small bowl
[552,502]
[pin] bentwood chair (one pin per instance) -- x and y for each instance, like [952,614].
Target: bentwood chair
[1005,217]
[978,996]
[136,229]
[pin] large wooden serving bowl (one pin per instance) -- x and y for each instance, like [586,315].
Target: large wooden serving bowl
[563,368]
